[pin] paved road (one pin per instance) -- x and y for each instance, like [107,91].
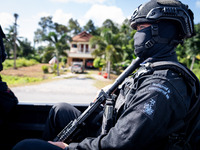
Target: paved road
[73,90]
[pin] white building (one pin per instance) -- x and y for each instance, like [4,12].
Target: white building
[80,50]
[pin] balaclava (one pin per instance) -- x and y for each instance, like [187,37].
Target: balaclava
[157,42]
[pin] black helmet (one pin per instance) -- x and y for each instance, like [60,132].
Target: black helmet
[156,10]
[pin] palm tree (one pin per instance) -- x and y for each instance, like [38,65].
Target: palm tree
[9,42]
[60,44]
[108,48]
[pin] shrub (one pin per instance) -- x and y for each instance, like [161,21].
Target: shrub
[45,69]
[24,62]
[54,68]
[64,60]
[99,62]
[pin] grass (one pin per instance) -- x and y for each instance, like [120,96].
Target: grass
[17,81]
[22,62]
[33,74]
[30,72]
[99,83]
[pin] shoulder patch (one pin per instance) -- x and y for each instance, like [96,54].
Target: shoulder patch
[163,89]
[149,108]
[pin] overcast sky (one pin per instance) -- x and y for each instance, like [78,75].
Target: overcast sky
[30,12]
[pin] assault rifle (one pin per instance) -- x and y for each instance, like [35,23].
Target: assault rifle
[73,128]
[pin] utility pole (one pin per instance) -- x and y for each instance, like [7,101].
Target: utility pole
[15,38]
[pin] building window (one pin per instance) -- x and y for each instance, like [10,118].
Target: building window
[74,45]
[82,47]
[77,60]
[87,48]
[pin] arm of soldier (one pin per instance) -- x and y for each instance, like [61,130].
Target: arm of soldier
[146,119]
[104,89]
[150,115]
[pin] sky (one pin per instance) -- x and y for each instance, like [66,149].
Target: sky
[30,12]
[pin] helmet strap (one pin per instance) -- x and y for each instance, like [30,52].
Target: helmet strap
[155,37]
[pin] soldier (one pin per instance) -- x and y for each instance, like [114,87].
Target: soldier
[7,98]
[152,102]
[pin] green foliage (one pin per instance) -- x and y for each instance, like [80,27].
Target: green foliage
[114,42]
[108,23]
[22,62]
[48,54]
[36,57]
[99,62]
[15,80]
[90,28]
[109,47]
[53,68]
[64,60]
[8,42]
[25,48]
[196,69]
[74,26]
[45,69]
[189,50]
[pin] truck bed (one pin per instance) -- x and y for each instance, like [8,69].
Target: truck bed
[26,121]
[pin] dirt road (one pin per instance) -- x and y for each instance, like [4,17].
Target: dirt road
[79,89]
[73,90]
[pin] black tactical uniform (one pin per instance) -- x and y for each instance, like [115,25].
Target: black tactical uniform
[7,98]
[152,103]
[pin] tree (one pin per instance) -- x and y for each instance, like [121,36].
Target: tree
[126,32]
[128,48]
[56,35]
[38,36]
[108,23]
[15,38]
[47,26]
[74,27]
[98,63]
[9,41]
[25,48]
[61,29]
[90,28]
[59,42]
[108,48]
[48,53]
[193,45]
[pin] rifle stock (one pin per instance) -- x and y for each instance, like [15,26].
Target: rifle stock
[72,128]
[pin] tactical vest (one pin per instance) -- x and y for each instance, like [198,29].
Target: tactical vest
[186,140]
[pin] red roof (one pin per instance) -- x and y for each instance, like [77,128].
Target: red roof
[82,37]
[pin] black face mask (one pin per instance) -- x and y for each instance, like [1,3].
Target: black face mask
[140,38]
[157,44]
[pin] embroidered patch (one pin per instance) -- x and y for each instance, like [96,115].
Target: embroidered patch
[149,108]
[160,88]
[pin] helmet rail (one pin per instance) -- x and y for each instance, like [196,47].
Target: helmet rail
[180,14]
